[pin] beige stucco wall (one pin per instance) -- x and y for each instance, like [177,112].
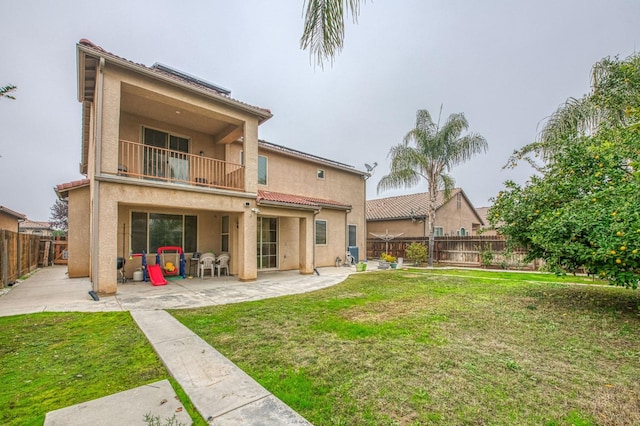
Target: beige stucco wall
[453,215]
[78,241]
[8,222]
[298,176]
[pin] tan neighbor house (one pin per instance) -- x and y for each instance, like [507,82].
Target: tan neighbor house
[406,215]
[33,227]
[172,160]
[10,219]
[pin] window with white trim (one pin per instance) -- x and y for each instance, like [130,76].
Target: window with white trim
[320,174]
[462,232]
[438,231]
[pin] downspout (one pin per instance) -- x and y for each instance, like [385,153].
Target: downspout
[315,213]
[95,209]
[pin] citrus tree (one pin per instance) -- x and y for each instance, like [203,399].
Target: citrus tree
[583,209]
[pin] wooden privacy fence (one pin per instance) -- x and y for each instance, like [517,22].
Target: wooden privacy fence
[475,251]
[19,255]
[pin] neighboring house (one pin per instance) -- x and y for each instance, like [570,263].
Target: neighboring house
[406,215]
[10,219]
[36,228]
[487,229]
[170,159]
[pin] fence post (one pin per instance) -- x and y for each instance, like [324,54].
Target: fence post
[5,260]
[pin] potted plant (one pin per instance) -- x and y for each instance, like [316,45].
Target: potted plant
[386,261]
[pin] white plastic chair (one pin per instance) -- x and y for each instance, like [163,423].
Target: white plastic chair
[207,261]
[222,263]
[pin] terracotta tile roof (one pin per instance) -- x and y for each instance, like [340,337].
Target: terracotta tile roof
[176,75]
[72,185]
[278,198]
[13,213]
[63,189]
[404,206]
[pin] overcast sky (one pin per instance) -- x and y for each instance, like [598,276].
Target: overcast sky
[505,64]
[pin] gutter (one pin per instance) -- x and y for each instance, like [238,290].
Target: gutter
[315,213]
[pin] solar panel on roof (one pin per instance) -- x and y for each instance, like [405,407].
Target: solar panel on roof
[190,78]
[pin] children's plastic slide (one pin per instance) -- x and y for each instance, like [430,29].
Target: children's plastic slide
[155,275]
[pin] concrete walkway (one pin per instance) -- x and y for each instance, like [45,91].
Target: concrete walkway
[221,392]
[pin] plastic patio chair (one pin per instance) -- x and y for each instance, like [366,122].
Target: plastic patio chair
[207,261]
[222,263]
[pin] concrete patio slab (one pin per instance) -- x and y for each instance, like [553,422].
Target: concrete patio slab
[218,389]
[125,408]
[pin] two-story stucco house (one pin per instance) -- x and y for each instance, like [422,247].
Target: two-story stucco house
[406,215]
[172,160]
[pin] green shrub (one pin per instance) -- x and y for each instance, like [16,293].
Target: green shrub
[416,252]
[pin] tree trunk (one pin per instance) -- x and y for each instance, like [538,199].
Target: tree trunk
[431,218]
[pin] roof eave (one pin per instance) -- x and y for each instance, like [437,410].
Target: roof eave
[263,115]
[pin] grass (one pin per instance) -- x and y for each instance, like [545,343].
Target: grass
[441,347]
[53,360]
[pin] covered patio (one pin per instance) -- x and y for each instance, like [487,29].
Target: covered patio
[51,290]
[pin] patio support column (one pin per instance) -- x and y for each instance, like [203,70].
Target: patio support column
[247,237]
[306,245]
[105,279]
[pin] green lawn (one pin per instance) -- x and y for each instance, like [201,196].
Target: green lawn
[53,360]
[441,347]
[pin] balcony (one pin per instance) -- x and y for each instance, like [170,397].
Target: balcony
[136,160]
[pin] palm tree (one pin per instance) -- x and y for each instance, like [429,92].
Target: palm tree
[323,32]
[614,96]
[428,152]
[5,91]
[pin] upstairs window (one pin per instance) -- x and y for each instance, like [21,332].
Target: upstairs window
[262,170]
[320,174]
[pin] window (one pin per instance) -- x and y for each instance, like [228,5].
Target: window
[152,230]
[438,231]
[462,232]
[156,163]
[262,170]
[352,236]
[224,235]
[320,174]
[321,232]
